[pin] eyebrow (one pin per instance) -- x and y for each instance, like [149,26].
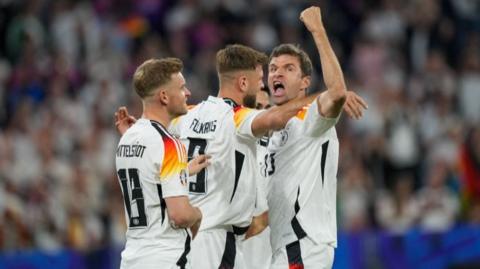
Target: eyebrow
[286,65]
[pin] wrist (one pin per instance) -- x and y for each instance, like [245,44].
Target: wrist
[319,30]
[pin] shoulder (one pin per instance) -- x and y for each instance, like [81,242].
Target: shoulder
[160,134]
[303,112]
[242,109]
[241,113]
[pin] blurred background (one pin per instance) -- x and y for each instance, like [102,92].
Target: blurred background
[409,176]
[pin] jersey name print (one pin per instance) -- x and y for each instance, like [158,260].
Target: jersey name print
[130,151]
[203,127]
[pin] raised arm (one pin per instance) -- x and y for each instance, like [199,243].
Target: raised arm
[331,101]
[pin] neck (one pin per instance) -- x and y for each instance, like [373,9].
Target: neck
[227,91]
[157,113]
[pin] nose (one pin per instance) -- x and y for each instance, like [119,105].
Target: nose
[277,73]
[187,92]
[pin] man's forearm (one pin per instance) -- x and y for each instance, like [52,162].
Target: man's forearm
[275,118]
[291,108]
[332,72]
[330,102]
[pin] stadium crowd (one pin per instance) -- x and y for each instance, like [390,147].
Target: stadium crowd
[65,67]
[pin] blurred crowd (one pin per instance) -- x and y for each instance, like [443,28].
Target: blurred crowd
[65,66]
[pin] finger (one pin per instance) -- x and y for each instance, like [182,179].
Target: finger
[121,115]
[359,113]
[358,110]
[201,158]
[348,110]
[352,115]
[360,105]
[361,108]
[206,156]
[361,101]
[354,111]
[355,108]
[203,165]
[132,119]
[123,111]
[202,161]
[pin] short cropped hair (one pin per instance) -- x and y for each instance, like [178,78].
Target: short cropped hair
[154,73]
[296,51]
[239,57]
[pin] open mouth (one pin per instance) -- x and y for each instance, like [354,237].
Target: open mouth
[278,88]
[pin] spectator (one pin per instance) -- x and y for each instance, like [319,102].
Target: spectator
[438,204]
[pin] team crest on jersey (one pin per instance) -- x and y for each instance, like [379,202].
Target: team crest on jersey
[284,137]
[183,177]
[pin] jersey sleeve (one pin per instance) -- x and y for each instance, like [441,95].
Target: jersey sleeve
[315,124]
[172,172]
[243,118]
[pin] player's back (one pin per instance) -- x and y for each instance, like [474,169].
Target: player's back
[225,190]
[302,187]
[148,156]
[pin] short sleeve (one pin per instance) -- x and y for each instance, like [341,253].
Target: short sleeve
[315,124]
[243,118]
[173,168]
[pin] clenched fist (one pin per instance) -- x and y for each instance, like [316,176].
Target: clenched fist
[312,19]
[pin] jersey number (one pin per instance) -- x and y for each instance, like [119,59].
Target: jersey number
[269,166]
[137,218]
[197,147]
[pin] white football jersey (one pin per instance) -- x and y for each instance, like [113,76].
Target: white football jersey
[223,190]
[151,166]
[257,251]
[261,204]
[302,163]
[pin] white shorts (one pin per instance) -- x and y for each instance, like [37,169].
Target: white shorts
[154,258]
[216,248]
[257,250]
[303,254]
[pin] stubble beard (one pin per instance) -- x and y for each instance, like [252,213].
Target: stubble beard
[250,101]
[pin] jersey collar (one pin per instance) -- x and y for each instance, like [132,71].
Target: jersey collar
[157,123]
[230,102]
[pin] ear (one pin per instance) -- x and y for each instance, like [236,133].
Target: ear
[306,80]
[242,83]
[162,96]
